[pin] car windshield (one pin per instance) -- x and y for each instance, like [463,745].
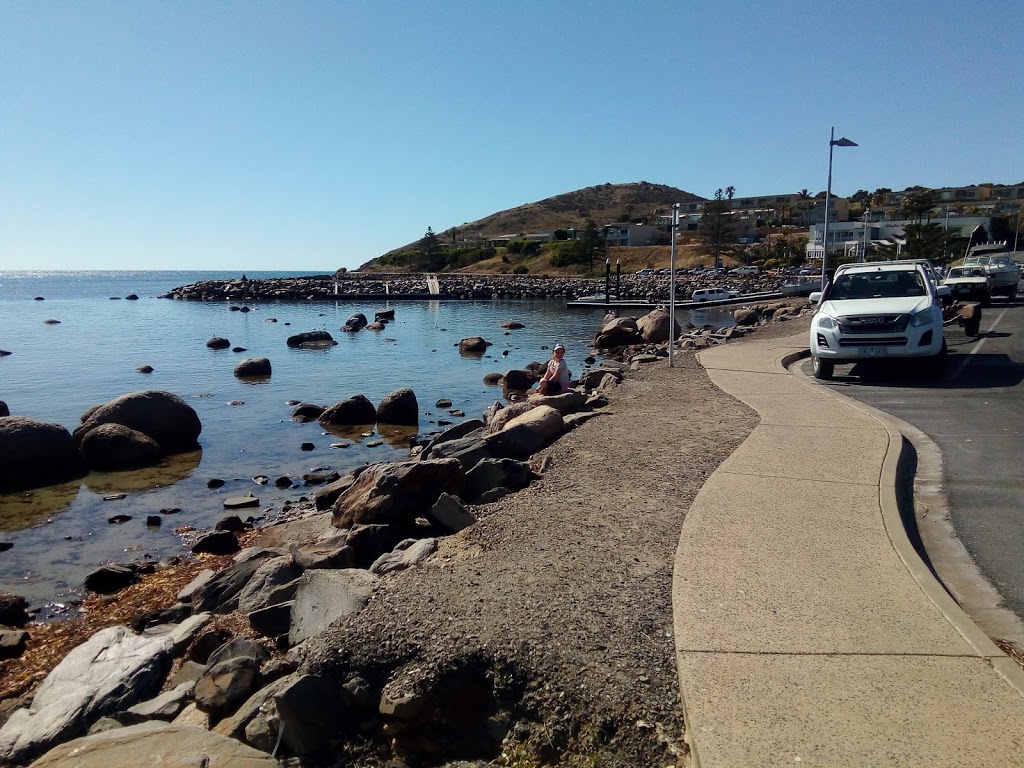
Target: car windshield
[878,285]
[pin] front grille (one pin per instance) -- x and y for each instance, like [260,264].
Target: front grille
[873,324]
[873,341]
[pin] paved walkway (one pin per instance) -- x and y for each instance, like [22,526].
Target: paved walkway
[807,630]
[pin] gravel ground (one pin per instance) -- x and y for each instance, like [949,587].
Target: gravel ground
[543,634]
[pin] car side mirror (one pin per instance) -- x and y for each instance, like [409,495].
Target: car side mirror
[942,290]
[815,297]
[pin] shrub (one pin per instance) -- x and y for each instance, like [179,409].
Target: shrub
[522,269]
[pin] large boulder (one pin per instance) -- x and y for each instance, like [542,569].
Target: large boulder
[272,583]
[496,473]
[544,420]
[35,453]
[108,673]
[323,597]
[252,368]
[564,403]
[219,593]
[399,492]
[745,316]
[155,745]
[449,512]
[311,340]
[4,410]
[618,332]
[113,447]
[599,379]
[407,554]
[310,710]
[354,411]
[163,416]
[519,379]
[655,328]
[226,684]
[399,407]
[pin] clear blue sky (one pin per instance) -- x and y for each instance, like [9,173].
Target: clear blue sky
[315,135]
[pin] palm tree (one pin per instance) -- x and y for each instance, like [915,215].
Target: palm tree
[729,192]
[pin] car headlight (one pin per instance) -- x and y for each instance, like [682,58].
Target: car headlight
[826,322]
[924,317]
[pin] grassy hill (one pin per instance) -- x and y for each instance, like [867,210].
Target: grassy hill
[638,202]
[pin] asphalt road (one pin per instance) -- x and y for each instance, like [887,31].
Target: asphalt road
[975,414]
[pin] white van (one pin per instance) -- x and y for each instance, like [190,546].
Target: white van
[710,294]
[749,269]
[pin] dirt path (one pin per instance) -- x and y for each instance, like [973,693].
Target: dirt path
[544,632]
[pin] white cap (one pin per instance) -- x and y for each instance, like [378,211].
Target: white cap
[559,346]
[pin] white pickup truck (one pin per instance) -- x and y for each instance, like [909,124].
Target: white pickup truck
[879,310]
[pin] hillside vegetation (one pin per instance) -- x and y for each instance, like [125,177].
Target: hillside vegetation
[639,202]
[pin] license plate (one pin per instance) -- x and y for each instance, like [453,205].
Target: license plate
[872,352]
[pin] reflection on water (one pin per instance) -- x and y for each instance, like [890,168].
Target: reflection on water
[171,470]
[397,436]
[354,432]
[28,508]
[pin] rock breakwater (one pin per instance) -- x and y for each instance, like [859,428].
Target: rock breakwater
[458,286]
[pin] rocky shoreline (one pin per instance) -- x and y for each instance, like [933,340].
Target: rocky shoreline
[465,604]
[355,286]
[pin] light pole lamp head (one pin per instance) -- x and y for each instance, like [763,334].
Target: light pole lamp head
[843,142]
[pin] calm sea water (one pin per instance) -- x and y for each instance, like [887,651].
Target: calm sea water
[58,371]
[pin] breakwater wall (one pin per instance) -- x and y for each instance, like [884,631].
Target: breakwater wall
[355,286]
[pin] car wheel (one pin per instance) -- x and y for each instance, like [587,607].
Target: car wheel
[935,366]
[1013,294]
[822,369]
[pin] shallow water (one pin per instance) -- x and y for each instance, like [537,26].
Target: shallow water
[56,372]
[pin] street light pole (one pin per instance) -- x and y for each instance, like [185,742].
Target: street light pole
[832,142]
[672,289]
[867,216]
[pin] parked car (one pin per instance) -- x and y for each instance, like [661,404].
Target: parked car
[889,309]
[749,269]
[645,272]
[711,294]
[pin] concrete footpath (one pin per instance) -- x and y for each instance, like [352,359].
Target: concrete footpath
[808,631]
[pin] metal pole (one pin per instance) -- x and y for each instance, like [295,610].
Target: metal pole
[946,229]
[867,216]
[828,195]
[607,279]
[618,279]
[672,289]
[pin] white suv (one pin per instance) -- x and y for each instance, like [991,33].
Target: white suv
[878,310]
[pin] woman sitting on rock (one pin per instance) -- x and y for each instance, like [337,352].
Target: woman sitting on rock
[556,378]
